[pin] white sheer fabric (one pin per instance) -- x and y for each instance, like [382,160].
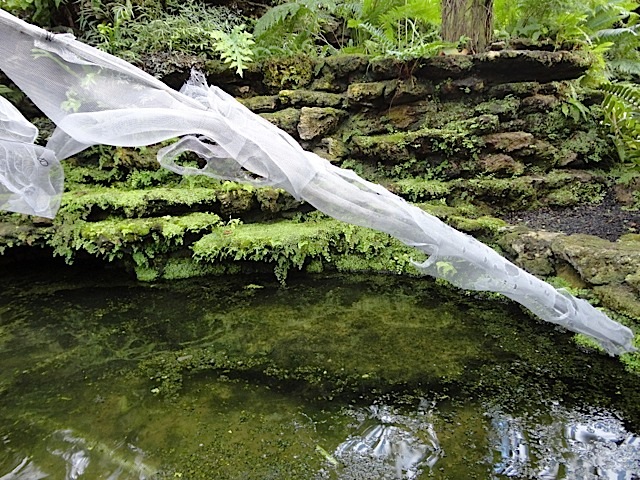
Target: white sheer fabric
[95,98]
[31,178]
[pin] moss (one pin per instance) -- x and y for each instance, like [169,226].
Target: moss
[261,103]
[402,146]
[290,245]
[520,192]
[416,189]
[135,238]
[366,93]
[310,98]
[506,108]
[289,72]
[344,65]
[620,299]
[132,203]
[286,119]
[576,194]
[481,226]
[555,188]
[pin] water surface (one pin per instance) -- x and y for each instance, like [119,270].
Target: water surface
[332,377]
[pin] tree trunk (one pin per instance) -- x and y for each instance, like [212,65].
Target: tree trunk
[468,18]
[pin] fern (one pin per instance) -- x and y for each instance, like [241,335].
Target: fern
[275,16]
[621,107]
[381,42]
[14,95]
[423,11]
[630,94]
[235,47]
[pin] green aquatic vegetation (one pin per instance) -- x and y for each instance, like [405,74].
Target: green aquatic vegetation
[242,377]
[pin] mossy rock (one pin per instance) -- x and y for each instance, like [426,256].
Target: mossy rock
[346,65]
[621,299]
[261,103]
[289,72]
[530,250]
[286,119]
[318,121]
[598,261]
[310,98]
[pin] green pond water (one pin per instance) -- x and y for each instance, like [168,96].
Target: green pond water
[330,377]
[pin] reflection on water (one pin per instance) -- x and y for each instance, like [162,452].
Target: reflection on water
[388,444]
[570,444]
[25,470]
[65,455]
[329,379]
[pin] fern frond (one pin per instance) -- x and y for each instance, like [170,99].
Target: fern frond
[423,50]
[621,106]
[424,11]
[624,91]
[349,10]
[235,47]
[625,66]
[373,9]
[611,12]
[384,44]
[611,33]
[275,16]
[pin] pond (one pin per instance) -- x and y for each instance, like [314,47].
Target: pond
[328,377]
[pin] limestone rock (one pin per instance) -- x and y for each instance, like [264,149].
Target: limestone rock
[365,93]
[509,141]
[539,103]
[331,149]
[317,122]
[310,98]
[531,250]
[262,103]
[286,119]
[500,164]
[409,90]
[620,299]
[343,65]
[598,261]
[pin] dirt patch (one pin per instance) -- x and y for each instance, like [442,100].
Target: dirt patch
[605,220]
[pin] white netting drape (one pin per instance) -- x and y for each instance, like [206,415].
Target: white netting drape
[95,98]
[31,178]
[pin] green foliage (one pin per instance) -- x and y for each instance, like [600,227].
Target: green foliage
[416,189]
[38,11]
[138,239]
[295,27]
[190,27]
[622,115]
[296,245]
[607,29]
[402,29]
[234,47]
[14,95]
